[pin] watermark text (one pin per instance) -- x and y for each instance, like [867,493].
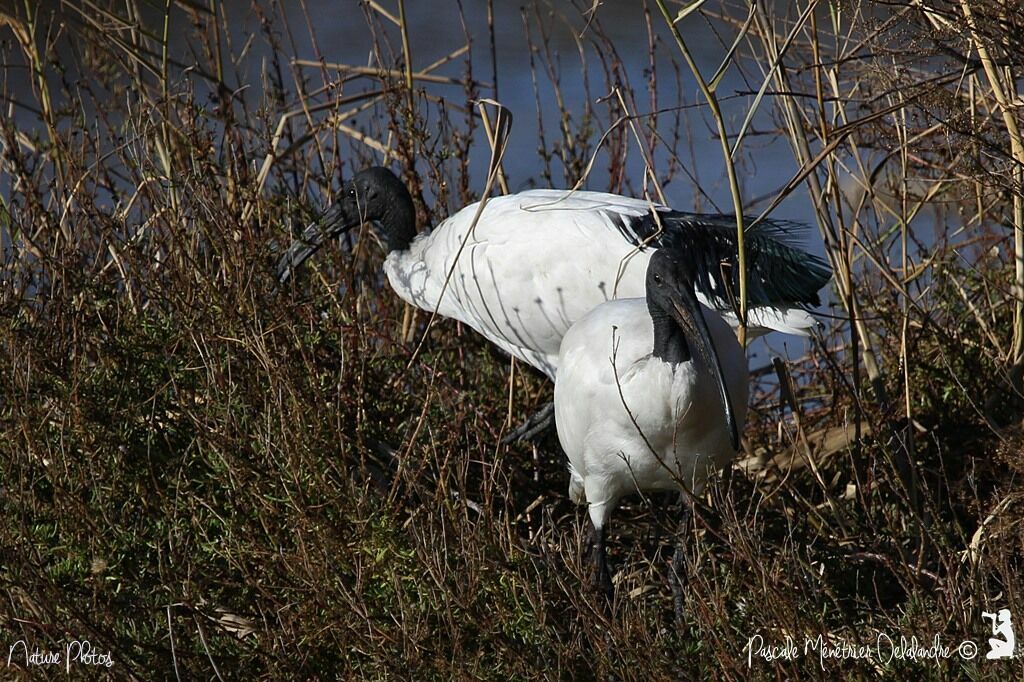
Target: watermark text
[76,652]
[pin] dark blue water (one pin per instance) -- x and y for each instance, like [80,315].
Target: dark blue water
[578,56]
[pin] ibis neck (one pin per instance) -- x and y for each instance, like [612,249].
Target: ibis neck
[398,224]
[670,343]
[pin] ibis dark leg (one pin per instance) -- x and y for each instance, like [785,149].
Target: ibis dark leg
[541,421]
[677,576]
[600,576]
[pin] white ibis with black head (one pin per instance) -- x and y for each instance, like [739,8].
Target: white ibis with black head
[651,395]
[537,261]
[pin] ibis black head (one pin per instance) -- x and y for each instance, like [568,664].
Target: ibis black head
[680,330]
[669,277]
[374,195]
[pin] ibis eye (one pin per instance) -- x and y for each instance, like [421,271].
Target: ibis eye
[657,278]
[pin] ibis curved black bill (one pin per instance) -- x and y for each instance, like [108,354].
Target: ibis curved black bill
[686,310]
[333,223]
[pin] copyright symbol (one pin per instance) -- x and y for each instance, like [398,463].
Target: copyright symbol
[968,649]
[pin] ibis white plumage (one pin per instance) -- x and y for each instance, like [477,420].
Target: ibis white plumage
[535,262]
[651,395]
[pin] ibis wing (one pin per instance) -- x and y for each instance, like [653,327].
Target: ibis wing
[780,272]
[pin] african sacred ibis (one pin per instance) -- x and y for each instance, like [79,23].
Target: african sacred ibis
[651,394]
[539,260]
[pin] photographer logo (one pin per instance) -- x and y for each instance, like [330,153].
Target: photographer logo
[1002,641]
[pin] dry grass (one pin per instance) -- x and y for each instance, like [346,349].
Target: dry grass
[209,478]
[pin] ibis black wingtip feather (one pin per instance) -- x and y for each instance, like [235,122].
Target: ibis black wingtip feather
[779,271]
